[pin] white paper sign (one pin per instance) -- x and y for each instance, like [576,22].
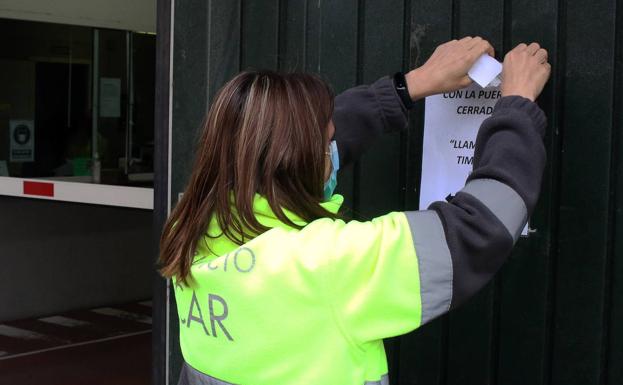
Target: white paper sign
[110,97]
[22,141]
[451,123]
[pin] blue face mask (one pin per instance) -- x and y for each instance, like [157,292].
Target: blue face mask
[329,185]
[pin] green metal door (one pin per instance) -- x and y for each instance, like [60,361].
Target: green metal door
[554,314]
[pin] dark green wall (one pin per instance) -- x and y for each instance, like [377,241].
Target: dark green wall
[554,315]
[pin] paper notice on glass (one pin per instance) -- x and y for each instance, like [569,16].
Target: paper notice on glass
[110,97]
[451,123]
[4,168]
[22,141]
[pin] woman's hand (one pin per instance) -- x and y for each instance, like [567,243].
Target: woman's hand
[526,71]
[446,69]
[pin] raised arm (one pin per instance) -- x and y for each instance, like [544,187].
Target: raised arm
[364,113]
[462,243]
[390,275]
[396,272]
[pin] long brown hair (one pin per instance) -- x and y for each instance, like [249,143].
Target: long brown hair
[265,133]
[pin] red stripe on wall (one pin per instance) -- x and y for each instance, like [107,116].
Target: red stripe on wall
[39,188]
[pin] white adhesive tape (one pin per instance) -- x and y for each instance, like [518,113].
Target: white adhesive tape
[485,71]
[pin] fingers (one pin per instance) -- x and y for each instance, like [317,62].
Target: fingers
[473,42]
[465,81]
[533,48]
[481,47]
[476,44]
[485,47]
[541,55]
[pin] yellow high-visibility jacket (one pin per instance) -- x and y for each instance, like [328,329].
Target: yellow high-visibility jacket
[312,306]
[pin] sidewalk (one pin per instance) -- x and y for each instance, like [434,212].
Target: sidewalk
[109,345]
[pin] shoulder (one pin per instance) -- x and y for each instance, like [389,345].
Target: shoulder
[387,221]
[339,236]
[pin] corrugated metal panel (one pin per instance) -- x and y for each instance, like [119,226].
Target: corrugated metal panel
[554,315]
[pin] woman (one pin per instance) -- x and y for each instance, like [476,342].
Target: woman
[272,287]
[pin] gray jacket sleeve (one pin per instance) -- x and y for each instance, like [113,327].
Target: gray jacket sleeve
[461,244]
[364,113]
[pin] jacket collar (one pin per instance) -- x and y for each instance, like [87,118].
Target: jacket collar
[220,244]
[267,217]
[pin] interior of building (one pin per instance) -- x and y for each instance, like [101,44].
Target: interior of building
[76,191]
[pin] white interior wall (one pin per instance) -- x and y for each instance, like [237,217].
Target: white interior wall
[133,15]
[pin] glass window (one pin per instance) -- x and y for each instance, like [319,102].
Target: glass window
[76,103]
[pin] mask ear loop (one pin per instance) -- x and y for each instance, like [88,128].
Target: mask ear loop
[335,165]
[335,158]
[329,154]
